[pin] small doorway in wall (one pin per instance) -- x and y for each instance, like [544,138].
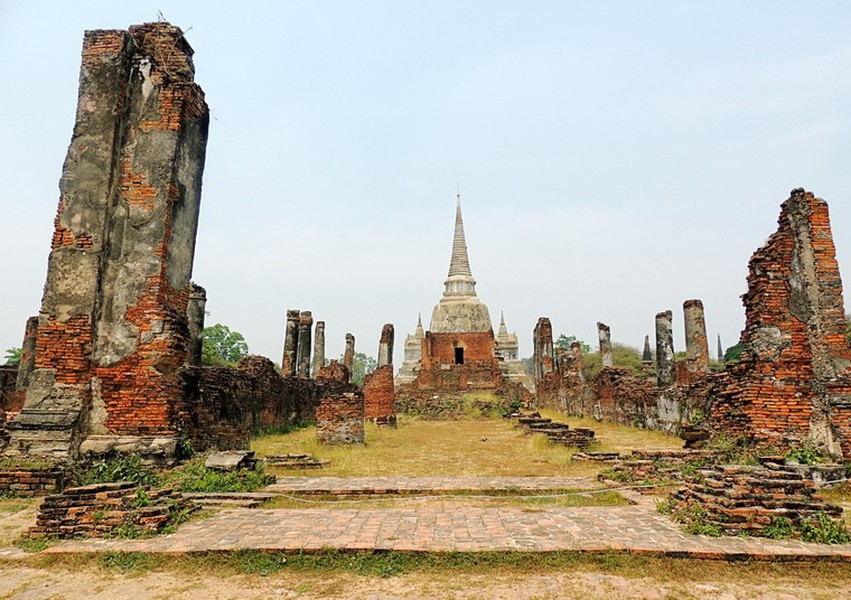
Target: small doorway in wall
[459,356]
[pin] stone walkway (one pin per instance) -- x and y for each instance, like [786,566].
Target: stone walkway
[359,486]
[636,529]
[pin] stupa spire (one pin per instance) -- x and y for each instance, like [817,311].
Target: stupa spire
[419,333]
[460,281]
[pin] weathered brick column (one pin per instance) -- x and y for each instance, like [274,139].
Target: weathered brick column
[378,390]
[349,354]
[27,364]
[647,355]
[697,346]
[340,419]
[792,385]
[112,325]
[542,357]
[288,364]
[665,370]
[195,313]
[305,323]
[318,348]
[604,334]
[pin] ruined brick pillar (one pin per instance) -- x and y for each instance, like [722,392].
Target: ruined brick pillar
[577,361]
[604,334]
[792,385]
[647,355]
[385,345]
[349,354]
[27,364]
[195,313]
[288,364]
[112,325]
[318,348]
[665,369]
[697,346]
[542,352]
[305,324]
[378,389]
[340,419]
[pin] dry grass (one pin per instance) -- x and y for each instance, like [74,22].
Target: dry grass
[456,448]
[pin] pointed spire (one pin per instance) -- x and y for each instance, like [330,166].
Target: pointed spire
[460,281]
[419,333]
[647,355]
[720,350]
[503,330]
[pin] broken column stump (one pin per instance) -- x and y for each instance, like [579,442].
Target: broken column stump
[340,419]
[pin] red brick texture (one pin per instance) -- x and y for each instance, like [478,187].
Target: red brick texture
[379,396]
[340,419]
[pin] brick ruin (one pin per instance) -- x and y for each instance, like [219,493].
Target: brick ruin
[340,419]
[792,386]
[112,362]
[112,329]
[378,388]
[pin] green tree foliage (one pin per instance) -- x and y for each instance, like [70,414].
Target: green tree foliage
[848,328]
[13,357]
[623,356]
[221,346]
[733,353]
[564,342]
[362,364]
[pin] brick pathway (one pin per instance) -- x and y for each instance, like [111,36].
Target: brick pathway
[357,486]
[637,529]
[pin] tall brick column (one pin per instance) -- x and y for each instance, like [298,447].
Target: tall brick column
[542,341]
[379,394]
[349,354]
[112,327]
[288,364]
[27,363]
[195,313]
[697,346]
[604,334]
[305,323]
[318,348]
[665,369]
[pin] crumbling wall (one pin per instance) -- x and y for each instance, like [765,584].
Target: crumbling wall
[112,328]
[792,385]
[340,419]
[227,404]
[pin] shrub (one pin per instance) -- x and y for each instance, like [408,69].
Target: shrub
[780,528]
[825,531]
[195,477]
[804,455]
[115,469]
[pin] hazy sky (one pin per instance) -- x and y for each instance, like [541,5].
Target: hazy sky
[614,158]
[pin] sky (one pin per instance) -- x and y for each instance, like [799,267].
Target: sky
[614,158]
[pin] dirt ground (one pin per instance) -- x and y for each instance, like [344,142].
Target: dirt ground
[24,582]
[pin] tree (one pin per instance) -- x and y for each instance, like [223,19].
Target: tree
[623,356]
[221,346]
[13,357]
[734,353]
[362,365]
[564,342]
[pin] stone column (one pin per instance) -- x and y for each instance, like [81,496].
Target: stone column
[385,346]
[290,344]
[319,348]
[647,355]
[305,323]
[195,312]
[604,334]
[27,364]
[542,340]
[665,370]
[697,347]
[349,354]
[720,350]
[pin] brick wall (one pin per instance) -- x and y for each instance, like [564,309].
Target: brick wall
[379,396]
[439,348]
[225,404]
[27,483]
[340,419]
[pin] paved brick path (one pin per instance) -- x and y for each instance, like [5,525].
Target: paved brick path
[354,486]
[637,529]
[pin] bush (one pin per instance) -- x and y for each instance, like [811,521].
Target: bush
[780,528]
[804,455]
[825,531]
[115,469]
[195,477]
